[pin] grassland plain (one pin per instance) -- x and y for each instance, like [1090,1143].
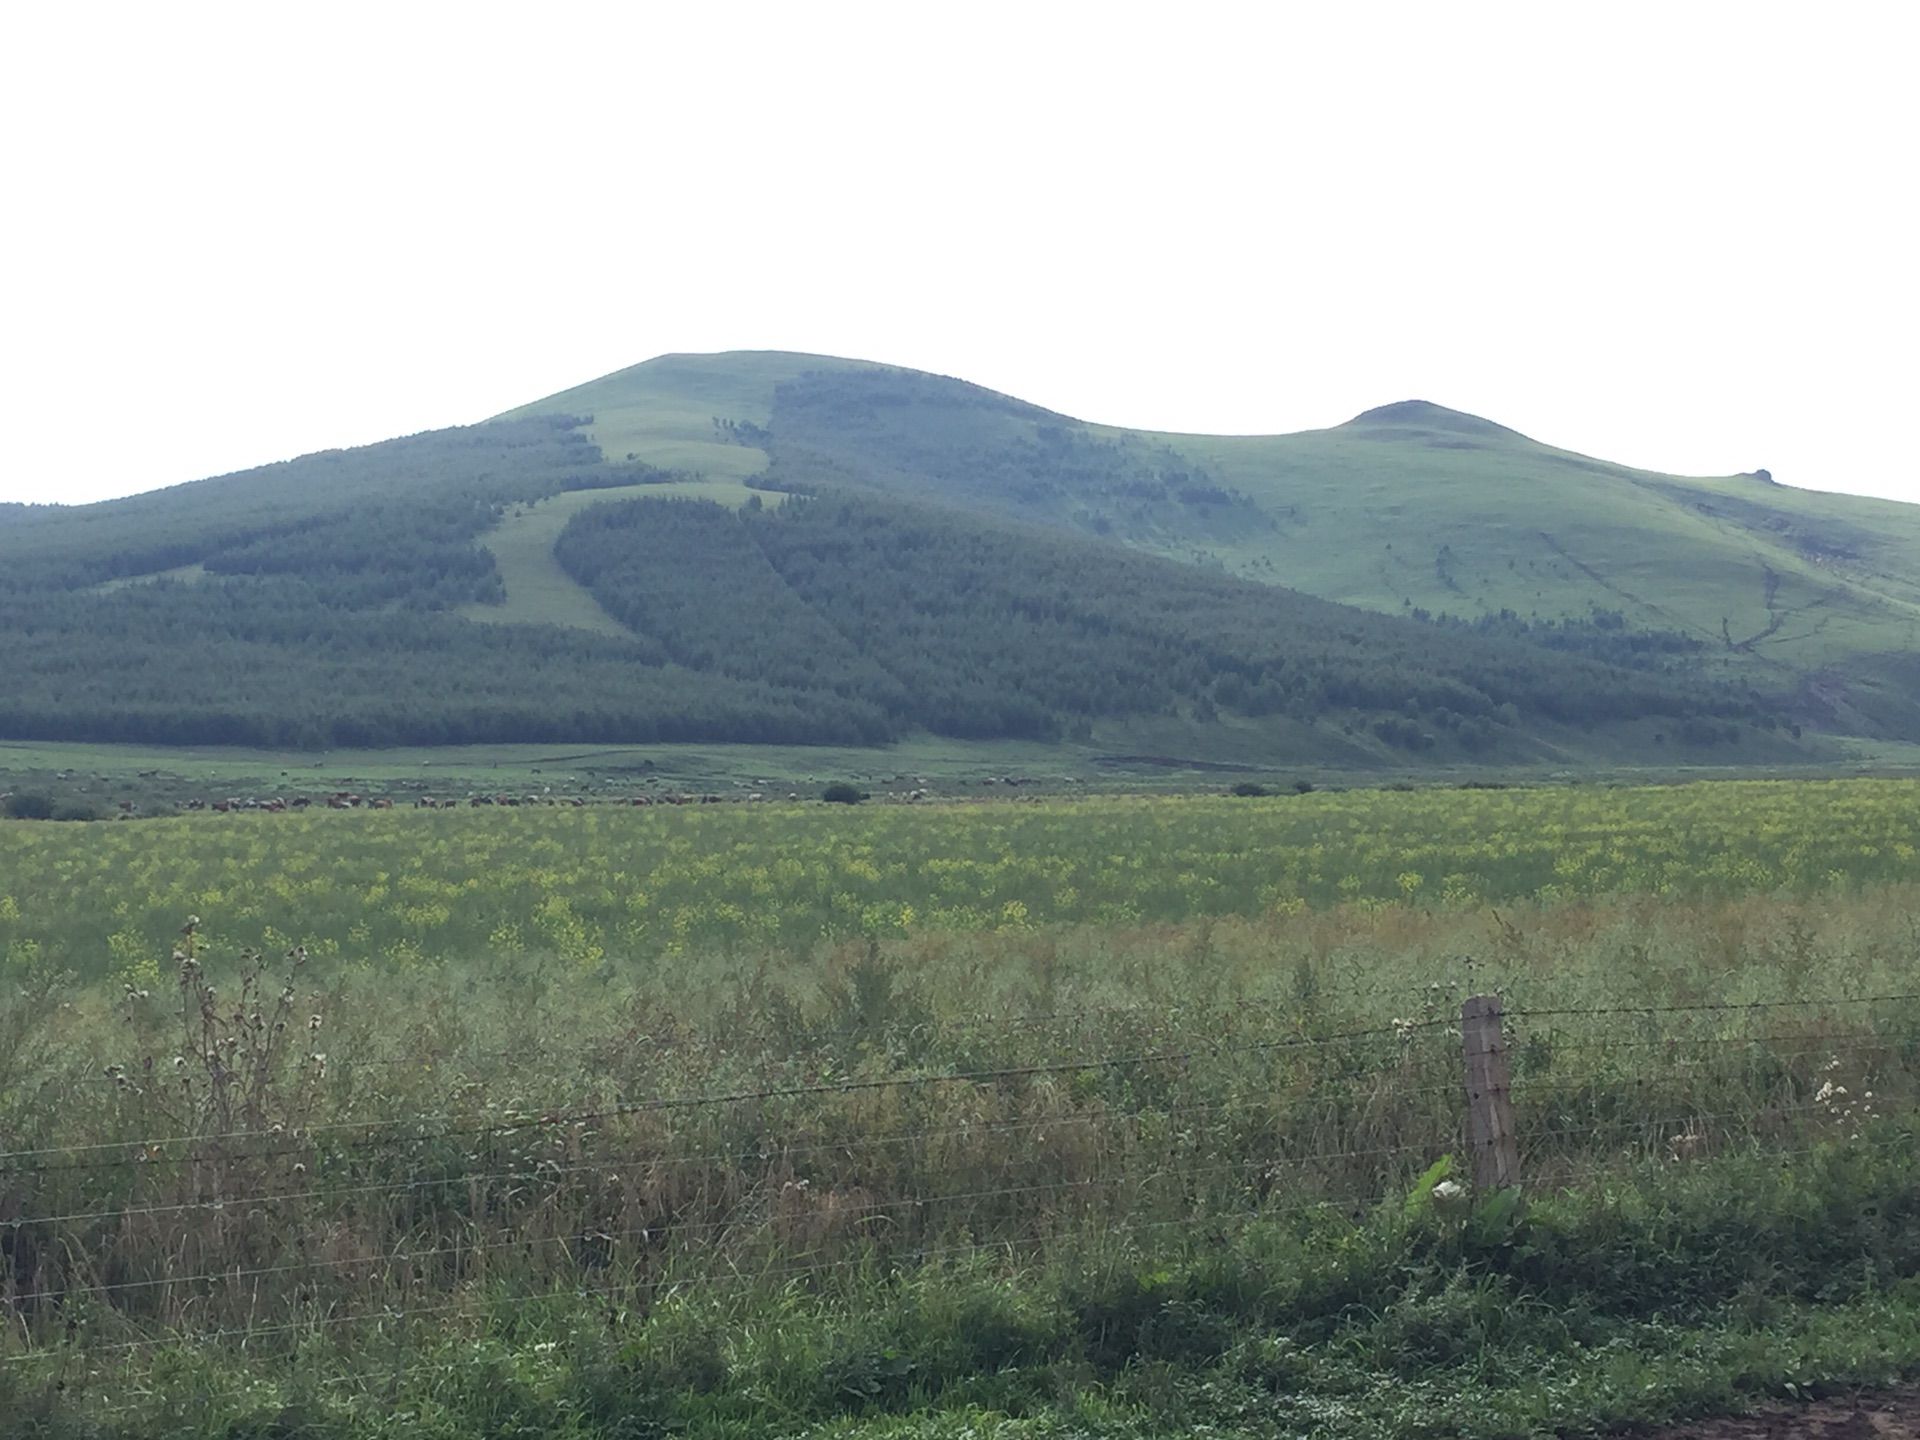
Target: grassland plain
[1115,1117]
[395,888]
[1137,758]
[157,781]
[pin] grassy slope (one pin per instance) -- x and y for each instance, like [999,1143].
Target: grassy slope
[538,590]
[662,411]
[1505,522]
[1417,506]
[184,573]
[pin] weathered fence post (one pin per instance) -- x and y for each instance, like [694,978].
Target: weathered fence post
[1490,1138]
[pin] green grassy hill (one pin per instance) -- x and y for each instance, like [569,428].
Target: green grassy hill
[960,568]
[1413,505]
[663,411]
[1410,507]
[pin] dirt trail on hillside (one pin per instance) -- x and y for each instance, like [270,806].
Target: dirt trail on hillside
[1889,1415]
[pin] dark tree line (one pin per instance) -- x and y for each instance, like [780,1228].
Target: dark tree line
[969,628]
[245,662]
[1602,635]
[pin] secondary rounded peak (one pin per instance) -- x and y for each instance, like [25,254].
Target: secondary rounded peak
[1424,415]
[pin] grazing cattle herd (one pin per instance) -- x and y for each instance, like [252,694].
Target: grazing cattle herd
[175,797]
[352,800]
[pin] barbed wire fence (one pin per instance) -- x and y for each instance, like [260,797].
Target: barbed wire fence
[263,1237]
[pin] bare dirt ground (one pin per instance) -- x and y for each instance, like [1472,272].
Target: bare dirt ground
[1886,1415]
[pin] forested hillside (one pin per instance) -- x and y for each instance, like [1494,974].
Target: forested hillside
[966,627]
[1408,507]
[405,507]
[307,604]
[328,602]
[901,554]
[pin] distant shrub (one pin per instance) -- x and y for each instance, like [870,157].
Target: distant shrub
[1699,731]
[841,793]
[75,810]
[30,805]
[1303,787]
[1251,788]
[1402,734]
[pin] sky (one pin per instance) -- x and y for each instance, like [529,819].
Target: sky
[1676,235]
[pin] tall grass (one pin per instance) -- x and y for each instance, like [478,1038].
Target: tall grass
[1085,1174]
[272,1164]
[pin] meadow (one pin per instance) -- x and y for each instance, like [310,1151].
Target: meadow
[1099,1117]
[538,590]
[635,889]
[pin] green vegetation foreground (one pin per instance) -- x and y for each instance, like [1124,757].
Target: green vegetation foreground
[1033,1168]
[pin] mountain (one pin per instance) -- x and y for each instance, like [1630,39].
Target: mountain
[790,549]
[1408,508]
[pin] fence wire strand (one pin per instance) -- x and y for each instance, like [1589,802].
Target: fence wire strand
[1151,1157]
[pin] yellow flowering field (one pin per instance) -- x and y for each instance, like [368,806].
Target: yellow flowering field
[273,1085]
[587,886]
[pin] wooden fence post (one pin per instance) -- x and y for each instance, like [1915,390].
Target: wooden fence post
[1490,1139]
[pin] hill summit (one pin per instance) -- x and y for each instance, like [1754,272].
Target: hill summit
[1420,415]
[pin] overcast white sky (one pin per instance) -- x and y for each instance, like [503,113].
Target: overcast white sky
[1676,235]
